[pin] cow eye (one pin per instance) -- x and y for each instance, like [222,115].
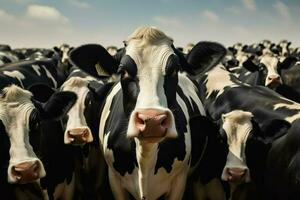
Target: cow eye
[173,65]
[123,73]
[34,120]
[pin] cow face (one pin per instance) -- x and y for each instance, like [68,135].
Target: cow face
[237,126]
[20,119]
[270,69]
[149,80]
[77,130]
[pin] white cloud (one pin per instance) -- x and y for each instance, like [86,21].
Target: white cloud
[211,16]
[234,9]
[80,4]
[282,10]
[6,17]
[168,21]
[249,4]
[41,12]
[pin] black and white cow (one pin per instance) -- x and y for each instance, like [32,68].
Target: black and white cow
[22,113]
[26,73]
[144,125]
[63,51]
[81,129]
[221,92]
[267,71]
[8,57]
[20,118]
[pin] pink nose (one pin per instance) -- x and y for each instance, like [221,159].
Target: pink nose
[274,78]
[236,174]
[152,123]
[78,135]
[26,172]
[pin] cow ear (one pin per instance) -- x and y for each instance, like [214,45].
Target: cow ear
[56,49]
[41,92]
[274,129]
[233,50]
[200,122]
[100,90]
[94,59]
[202,129]
[245,47]
[205,55]
[58,105]
[119,55]
[183,62]
[288,62]
[250,66]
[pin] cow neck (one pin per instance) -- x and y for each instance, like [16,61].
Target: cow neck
[146,154]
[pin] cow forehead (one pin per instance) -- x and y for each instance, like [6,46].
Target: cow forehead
[150,57]
[269,61]
[15,94]
[237,116]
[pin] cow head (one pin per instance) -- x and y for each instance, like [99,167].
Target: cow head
[149,78]
[236,127]
[270,69]
[80,120]
[21,115]
[63,52]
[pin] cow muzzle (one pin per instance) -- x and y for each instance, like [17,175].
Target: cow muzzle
[273,81]
[26,172]
[236,175]
[152,124]
[78,136]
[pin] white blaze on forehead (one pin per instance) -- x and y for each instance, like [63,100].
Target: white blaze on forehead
[151,63]
[237,125]
[76,118]
[18,110]
[217,79]
[271,64]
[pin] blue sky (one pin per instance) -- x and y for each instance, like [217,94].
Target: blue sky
[45,23]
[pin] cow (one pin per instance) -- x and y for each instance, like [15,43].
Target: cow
[27,107]
[25,73]
[283,48]
[81,125]
[144,125]
[273,114]
[21,115]
[8,57]
[63,52]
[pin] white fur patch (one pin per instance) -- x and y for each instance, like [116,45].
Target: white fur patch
[15,74]
[294,106]
[217,79]
[36,68]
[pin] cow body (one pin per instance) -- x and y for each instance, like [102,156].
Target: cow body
[267,107]
[148,142]
[22,114]
[81,133]
[27,73]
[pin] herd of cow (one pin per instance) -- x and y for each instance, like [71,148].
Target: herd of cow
[150,121]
